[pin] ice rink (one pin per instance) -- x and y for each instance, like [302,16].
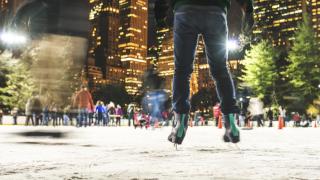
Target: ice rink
[128,153]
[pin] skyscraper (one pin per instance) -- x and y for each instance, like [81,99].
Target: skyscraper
[315,16]
[104,39]
[278,20]
[200,77]
[133,41]
[165,62]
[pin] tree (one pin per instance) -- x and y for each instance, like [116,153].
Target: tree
[260,72]
[19,85]
[54,76]
[303,71]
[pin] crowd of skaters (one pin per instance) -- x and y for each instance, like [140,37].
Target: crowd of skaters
[261,116]
[83,112]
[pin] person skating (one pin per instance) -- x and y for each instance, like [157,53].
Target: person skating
[15,113]
[216,113]
[1,116]
[111,112]
[105,116]
[130,113]
[83,102]
[208,18]
[270,116]
[100,111]
[36,108]
[119,114]
[28,112]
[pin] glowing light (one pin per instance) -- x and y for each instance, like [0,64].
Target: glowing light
[232,45]
[13,38]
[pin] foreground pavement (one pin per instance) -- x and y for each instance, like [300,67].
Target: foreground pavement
[126,153]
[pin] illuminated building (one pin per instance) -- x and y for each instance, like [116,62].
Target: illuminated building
[204,80]
[160,35]
[94,73]
[315,15]
[152,58]
[166,61]
[104,40]
[133,41]
[200,77]
[278,20]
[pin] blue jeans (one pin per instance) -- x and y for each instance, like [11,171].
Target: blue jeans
[45,118]
[210,21]
[105,119]
[83,117]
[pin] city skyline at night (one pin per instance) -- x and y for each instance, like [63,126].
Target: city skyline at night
[278,21]
[121,36]
[270,24]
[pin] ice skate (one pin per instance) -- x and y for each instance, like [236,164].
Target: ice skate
[232,133]
[179,129]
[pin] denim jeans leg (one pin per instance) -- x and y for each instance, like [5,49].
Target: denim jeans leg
[86,117]
[215,37]
[81,117]
[185,42]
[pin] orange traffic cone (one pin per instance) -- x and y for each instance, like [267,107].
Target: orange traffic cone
[315,124]
[220,122]
[280,122]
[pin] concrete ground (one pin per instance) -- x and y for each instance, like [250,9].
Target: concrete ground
[128,153]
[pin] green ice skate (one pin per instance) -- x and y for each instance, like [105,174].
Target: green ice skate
[179,128]
[232,133]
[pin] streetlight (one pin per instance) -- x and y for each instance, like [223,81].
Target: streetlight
[13,38]
[232,45]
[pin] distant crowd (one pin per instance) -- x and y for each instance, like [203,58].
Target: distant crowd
[83,112]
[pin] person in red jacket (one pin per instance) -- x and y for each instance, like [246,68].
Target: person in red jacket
[217,113]
[84,103]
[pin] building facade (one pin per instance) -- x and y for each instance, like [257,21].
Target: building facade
[315,16]
[200,78]
[278,20]
[165,64]
[133,42]
[104,39]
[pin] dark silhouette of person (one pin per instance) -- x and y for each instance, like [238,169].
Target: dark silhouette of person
[209,19]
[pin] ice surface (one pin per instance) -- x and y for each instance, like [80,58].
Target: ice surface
[128,153]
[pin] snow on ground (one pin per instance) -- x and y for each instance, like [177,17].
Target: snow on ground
[128,153]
